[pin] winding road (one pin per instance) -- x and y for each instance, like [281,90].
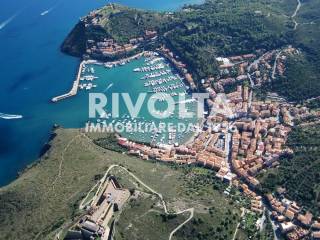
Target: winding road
[275,65]
[250,78]
[103,179]
[295,14]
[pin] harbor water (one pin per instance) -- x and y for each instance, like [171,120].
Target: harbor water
[123,79]
[33,70]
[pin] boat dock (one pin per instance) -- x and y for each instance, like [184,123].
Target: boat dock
[74,89]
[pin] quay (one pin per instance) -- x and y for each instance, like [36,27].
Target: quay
[75,86]
[136,56]
[74,89]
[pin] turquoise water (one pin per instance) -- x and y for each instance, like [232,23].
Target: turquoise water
[32,71]
[123,79]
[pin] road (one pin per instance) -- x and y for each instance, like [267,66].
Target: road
[235,233]
[207,143]
[274,227]
[104,178]
[250,78]
[262,221]
[295,14]
[275,65]
[251,83]
[297,9]
[229,146]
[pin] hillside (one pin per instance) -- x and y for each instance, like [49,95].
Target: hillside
[226,28]
[301,78]
[46,197]
[200,33]
[214,28]
[299,173]
[115,21]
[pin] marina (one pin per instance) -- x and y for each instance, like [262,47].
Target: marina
[83,69]
[43,73]
[149,79]
[151,74]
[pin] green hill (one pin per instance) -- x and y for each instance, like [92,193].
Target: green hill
[299,172]
[200,33]
[45,198]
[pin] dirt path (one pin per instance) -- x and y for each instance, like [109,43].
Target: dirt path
[295,14]
[159,195]
[235,233]
[191,210]
[62,160]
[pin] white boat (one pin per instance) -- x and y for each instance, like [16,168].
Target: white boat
[108,65]
[47,11]
[44,13]
[88,77]
[10,116]
[89,86]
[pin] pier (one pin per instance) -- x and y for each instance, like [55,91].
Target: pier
[74,89]
[75,86]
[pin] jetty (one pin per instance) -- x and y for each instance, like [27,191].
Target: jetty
[74,89]
[75,86]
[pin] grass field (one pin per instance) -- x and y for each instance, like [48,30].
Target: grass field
[144,218]
[46,196]
[193,188]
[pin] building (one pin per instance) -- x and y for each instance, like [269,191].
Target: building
[286,227]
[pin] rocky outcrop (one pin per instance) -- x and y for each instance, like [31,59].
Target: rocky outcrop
[75,43]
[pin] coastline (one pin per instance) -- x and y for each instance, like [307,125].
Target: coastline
[68,159]
[61,66]
[29,196]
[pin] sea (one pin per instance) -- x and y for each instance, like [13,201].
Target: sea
[33,70]
[155,125]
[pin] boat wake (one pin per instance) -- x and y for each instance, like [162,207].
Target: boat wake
[10,116]
[6,22]
[47,11]
[110,85]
